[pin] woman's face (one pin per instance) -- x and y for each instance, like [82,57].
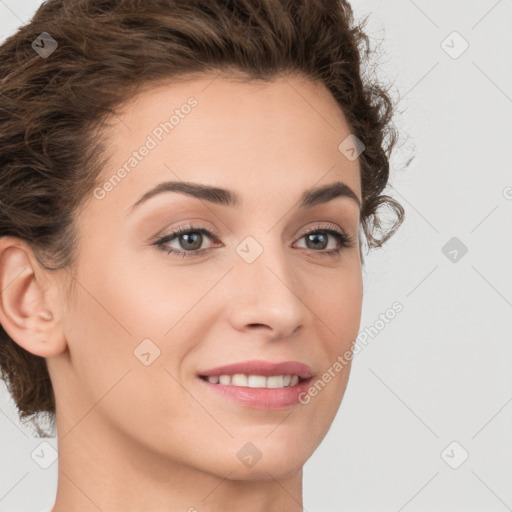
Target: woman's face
[146,322]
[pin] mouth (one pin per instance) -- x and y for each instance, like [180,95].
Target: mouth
[260,384]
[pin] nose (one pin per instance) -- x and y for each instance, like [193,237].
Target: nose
[267,296]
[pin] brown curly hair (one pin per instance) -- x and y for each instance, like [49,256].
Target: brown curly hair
[52,110]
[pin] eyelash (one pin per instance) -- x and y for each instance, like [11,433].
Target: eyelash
[343,239]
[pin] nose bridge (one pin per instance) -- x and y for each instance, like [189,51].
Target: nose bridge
[267,289]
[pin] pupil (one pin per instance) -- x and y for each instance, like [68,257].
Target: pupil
[314,238]
[189,239]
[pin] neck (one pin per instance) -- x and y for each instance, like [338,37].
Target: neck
[99,469]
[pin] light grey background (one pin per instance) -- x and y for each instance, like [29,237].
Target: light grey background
[440,371]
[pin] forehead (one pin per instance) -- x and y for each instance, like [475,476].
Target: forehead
[250,136]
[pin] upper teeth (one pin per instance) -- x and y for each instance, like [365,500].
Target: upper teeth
[255,381]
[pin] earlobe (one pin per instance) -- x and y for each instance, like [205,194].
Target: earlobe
[25,312]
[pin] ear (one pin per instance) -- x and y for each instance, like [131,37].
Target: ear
[29,310]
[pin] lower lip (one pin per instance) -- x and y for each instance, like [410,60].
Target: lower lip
[262,398]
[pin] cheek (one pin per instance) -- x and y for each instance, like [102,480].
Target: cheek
[337,305]
[338,308]
[111,316]
[133,298]
[120,305]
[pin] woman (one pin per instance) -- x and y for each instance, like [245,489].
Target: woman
[185,188]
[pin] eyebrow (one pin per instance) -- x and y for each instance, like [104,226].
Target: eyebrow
[224,197]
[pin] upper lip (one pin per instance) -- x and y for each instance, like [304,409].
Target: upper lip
[260,367]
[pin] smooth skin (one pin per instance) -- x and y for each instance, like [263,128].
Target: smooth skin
[133,437]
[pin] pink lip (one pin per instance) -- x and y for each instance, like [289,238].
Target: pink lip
[262,398]
[260,367]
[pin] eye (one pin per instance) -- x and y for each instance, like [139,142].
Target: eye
[190,239]
[318,238]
